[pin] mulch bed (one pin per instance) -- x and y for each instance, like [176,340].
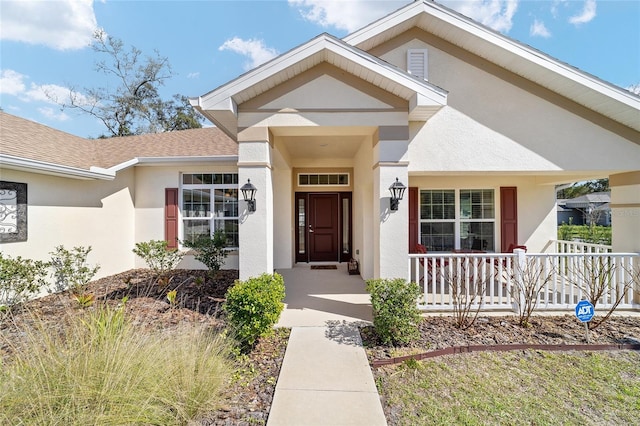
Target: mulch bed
[439,333]
[199,301]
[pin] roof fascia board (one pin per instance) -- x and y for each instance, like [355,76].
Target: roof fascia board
[36,166]
[222,97]
[400,16]
[170,161]
[497,39]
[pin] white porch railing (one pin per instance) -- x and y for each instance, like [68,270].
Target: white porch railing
[495,281]
[564,246]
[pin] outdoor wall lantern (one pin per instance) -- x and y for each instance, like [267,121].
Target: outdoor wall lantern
[397,192]
[249,195]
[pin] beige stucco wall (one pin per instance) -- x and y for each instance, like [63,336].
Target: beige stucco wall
[73,212]
[150,183]
[537,220]
[499,123]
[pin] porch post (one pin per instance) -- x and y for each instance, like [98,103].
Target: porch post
[391,232]
[255,228]
[625,215]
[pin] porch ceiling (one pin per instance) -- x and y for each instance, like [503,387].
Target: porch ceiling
[321,142]
[322,147]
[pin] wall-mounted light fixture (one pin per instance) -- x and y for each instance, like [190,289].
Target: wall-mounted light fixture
[397,192]
[249,195]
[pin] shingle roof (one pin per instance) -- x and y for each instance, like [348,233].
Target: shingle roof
[28,140]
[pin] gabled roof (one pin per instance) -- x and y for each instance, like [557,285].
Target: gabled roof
[588,200]
[27,145]
[220,105]
[585,89]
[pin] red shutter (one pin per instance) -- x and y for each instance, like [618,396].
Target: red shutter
[171,217]
[508,217]
[413,219]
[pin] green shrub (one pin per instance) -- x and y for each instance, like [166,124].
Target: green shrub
[20,279]
[157,256]
[70,269]
[103,371]
[210,251]
[254,306]
[395,314]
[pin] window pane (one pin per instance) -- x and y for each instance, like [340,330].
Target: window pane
[346,244]
[437,204]
[196,202]
[303,179]
[194,229]
[437,236]
[230,229]
[187,178]
[302,226]
[207,179]
[477,236]
[226,203]
[477,204]
[217,179]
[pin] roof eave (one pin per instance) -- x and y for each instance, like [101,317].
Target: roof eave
[35,166]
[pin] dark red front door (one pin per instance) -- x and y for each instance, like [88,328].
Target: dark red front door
[323,227]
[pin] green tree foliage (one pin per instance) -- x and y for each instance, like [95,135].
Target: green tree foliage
[582,188]
[133,105]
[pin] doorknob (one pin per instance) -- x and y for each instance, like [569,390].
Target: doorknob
[310,228]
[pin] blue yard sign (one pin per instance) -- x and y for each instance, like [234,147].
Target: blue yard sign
[584,311]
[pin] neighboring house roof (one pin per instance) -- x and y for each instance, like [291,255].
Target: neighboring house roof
[32,146]
[221,104]
[598,95]
[587,200]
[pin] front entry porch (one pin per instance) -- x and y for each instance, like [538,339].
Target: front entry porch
[321,297]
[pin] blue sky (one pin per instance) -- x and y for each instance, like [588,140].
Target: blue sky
[44,45]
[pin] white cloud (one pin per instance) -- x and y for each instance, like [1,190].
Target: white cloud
[50,93]
[634,88]
[345,15]
[53,114]
[587,14]
[60,24]
[352,15]
[539,29]
[193,75]
[257,52]
[11,82]
[496,14]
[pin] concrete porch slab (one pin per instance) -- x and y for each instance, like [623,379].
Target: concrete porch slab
[316,297]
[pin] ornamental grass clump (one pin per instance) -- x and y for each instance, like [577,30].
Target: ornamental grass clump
[395,313]
[101,370]
[254,306]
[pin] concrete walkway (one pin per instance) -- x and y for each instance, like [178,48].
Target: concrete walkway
[325,377]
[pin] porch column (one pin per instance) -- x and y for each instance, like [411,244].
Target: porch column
[625,214]
[391,235]
[255,228]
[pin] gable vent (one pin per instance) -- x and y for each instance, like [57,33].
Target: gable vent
[417,63]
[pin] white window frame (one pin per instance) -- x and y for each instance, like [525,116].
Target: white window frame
[458,219]
[211,218]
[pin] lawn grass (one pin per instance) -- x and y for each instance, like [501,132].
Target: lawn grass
[102,371]
[520,387]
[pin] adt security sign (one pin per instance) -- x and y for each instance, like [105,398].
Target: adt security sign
[584,311]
